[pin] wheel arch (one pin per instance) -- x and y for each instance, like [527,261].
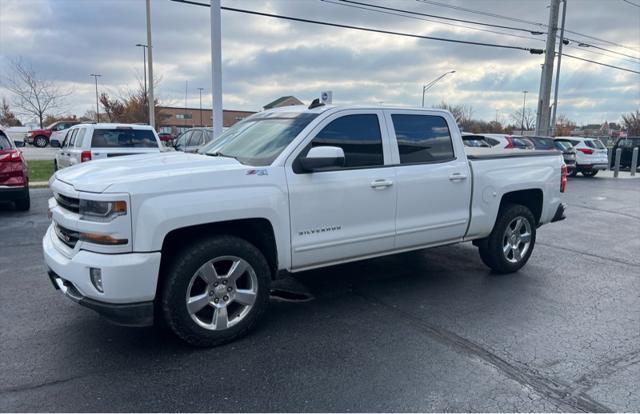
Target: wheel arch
[531,198]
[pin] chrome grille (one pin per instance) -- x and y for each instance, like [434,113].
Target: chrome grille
[68,203]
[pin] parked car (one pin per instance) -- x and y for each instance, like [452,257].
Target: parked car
[194,139]
[86,142]
[40,137]
[472,140]
[591,155]
[627,145]
[199,237]
[543,143]
[165,136]
[568,153]
[14,178]
[502,141]
[16,134]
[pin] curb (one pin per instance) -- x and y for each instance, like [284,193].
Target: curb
[39,184]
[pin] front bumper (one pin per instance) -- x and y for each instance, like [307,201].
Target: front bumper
[129,280]
[10,193]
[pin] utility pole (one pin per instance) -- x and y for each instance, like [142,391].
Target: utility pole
[151,104]
[524,106]
[542,121]
[144,67]
[97,107]
[216,68]
[186,88]
[200,89]
[552,129]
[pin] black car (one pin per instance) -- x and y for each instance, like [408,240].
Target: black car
[627,145]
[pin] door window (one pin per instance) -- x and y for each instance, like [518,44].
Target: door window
[196,139]
[422,138]
[72,138]
[80,137]
[359,137]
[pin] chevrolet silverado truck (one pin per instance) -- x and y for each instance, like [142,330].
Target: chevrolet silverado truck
[194,240]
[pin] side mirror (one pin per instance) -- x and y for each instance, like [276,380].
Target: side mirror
[54,143]
[319,158]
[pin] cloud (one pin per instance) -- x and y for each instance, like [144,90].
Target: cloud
[265,58]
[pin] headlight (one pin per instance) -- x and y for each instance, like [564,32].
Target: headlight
[102,210]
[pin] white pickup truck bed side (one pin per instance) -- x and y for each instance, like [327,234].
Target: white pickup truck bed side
[197,238]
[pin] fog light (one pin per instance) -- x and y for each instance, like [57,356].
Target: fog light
[96,278]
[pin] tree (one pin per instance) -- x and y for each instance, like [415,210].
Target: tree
[462,113]
[631,122]
[529,120]
[33,95]
[7,117]
[564,126]
[129,107]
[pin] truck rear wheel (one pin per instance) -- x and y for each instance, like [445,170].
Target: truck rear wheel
[511,242]
[215,291]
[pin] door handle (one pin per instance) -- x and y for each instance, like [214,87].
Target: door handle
[381,183]
[455,177]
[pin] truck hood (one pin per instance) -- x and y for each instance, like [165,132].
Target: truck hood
[97,176]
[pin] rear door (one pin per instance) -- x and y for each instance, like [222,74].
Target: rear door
[433,179]
[63,160]
[347,212]
[75,152]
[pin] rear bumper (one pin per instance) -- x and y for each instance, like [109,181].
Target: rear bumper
[591,167]
[560,213]
[125,314]
[9,193]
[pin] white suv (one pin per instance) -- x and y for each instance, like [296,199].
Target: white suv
[86,142]
[591,155]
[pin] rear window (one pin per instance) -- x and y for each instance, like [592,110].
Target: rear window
[543,143]
[5,144]
[594,143]
[121,137]
[422,138]
[629,143]
[475,141]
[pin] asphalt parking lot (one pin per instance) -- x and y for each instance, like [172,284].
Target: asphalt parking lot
[425,331]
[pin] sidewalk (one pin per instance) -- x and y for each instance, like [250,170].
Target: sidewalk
[622,174]
[39,184]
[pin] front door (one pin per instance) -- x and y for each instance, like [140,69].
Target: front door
[433,179]
[349,212]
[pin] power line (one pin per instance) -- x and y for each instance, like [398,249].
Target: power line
[631,3]
[366,29]
[499,16]
[600,63]
[394,11]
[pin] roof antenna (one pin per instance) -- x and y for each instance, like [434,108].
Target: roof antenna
[316,103]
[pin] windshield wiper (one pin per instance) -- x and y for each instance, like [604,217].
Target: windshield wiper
[219,154]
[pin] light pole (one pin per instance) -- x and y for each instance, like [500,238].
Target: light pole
[433,82]
[144,65]
[152,113]
[524,106]
[552,131]
[200,89]
[95,76]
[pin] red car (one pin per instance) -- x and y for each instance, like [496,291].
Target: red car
[165,136]
[40,137]
[14,181]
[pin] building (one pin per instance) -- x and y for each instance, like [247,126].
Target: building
[283,101]
[175,120]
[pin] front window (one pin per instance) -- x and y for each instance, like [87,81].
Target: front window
[123,137]
[259,139]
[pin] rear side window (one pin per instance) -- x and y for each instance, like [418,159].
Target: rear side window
[121,137]
[359,137]
[72,140]
[5,144]
[80,137]
[422,138]
[594,143]
[195,139]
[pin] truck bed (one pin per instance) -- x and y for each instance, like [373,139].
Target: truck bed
[479,153]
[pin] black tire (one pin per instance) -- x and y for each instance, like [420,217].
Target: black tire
[590,173]
[24,204]
[573,172]
[41,141]
[177,280]
[491,248]
[55,165]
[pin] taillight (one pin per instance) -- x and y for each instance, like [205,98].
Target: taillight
[563,178]
[509,142]
[11,156]
[85,156]
[587,151]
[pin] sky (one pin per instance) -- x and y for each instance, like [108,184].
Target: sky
[264,58]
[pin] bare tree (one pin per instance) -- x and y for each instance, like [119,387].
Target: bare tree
[33,95]
[527,122]
[631,122]
[7,117]
[462,113]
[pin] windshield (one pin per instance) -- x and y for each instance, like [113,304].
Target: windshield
[259,139]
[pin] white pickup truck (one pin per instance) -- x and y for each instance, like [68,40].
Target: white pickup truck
[196,239]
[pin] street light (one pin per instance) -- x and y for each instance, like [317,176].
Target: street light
[144,65]
[200,89]
[433,82]
[524,105]
[97,108]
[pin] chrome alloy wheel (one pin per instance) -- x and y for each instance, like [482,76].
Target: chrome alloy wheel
[516,240]
[222,292]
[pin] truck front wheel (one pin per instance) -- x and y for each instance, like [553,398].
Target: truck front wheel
[511,242]
[215,290]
